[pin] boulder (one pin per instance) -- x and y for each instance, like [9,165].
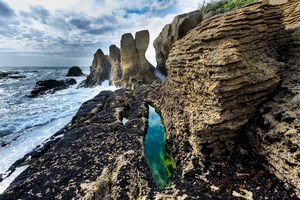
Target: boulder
[50,86]
[136,69]
[179,27]
[75,71]
[100,69]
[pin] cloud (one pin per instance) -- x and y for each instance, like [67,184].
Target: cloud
[5,10]
[101,31]
[40,14]
[80,23]
[77,28]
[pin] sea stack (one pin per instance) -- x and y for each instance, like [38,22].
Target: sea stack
[100,69]
[136,69]
[126,67]
[115,61]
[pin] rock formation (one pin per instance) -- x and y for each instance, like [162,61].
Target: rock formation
[171,33]
[50,86]
[126,67]
[100,69]
[75,71]
[115,61]
[219,73]
[10,75]
[136,69]
[274,132]
[101,158]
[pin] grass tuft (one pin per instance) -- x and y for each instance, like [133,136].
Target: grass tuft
[221,6]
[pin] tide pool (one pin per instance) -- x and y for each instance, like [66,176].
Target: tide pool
[158,157]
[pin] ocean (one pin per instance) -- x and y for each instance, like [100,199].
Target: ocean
[26,123]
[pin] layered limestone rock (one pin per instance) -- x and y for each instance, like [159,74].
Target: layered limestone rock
[275,131]
[291,13]
[100,69]
[136,69]
[115,61]
[171,33]
[218,74]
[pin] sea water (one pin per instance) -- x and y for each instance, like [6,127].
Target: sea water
[26,123]
[155,149]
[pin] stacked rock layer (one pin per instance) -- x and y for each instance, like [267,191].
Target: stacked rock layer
[274,133]
[218,74]
[126,67]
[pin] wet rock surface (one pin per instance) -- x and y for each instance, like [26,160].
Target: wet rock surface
[51,86]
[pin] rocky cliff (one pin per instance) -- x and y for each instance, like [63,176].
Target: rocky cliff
[179,27]
[219,73]
[274,132]
[100,69]
[115,61]
[126,67]
[136,69]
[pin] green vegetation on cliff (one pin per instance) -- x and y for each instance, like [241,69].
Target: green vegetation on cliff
[222,6]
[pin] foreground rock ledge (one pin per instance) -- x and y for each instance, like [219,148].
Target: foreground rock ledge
[100,158]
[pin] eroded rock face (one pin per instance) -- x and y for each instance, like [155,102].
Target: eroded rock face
[218,74]
[136,69]
[171,33]
[274,133]
[115,61]
[126,67]
[100,69]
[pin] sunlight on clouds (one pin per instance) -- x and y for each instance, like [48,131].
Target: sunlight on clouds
[79,27]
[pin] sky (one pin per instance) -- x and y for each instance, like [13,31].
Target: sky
[68,32]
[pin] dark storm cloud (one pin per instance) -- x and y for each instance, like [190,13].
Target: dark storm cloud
[80,23]
[5,10]
[101,31]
